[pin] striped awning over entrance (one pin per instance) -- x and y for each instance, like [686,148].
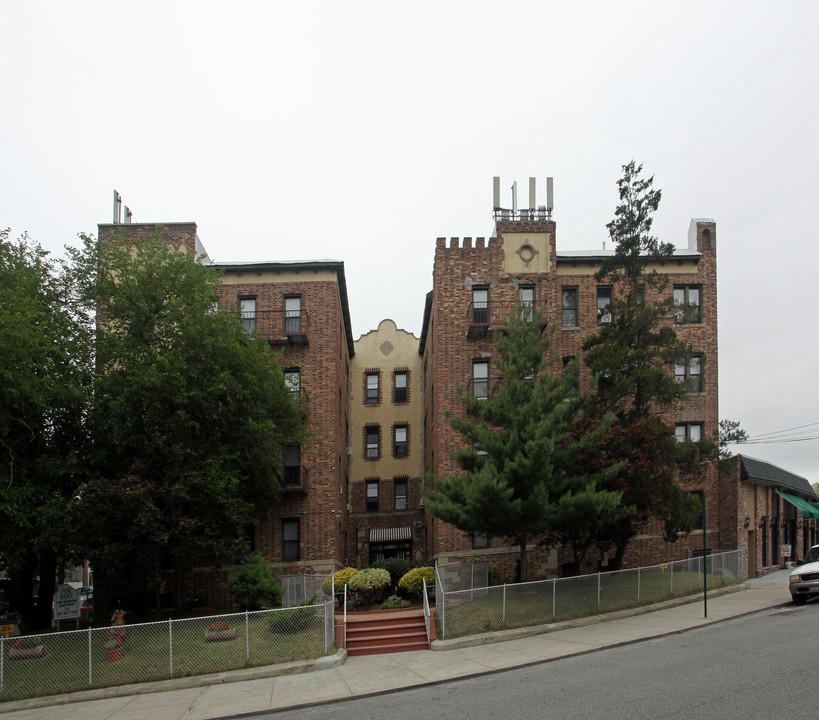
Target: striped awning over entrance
[808,510]
[390,534]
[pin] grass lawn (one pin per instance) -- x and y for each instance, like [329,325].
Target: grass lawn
[487,609]
[149,651]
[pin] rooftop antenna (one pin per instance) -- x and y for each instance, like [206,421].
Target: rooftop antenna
[550,195]
[128,215]
[117,208]
[515,196]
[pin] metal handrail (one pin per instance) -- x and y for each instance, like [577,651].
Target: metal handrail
[426,609]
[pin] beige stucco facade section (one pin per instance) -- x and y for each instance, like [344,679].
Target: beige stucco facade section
[278,277]
[526,253]
[386,350]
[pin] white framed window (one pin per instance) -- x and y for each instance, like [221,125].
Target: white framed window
[372,393]
[247,309]
[526,299]
[480,379]
[292,314]
[603,304]
[688,431]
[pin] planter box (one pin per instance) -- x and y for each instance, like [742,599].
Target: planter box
[24,653]
[220,635]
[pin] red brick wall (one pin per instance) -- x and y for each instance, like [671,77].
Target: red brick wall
[448,356]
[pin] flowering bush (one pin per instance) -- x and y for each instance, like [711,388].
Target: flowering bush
[118,618]
[342,577]
[218,626]
[412,584]
[370,584]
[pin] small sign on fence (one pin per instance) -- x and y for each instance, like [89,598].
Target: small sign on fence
[66,603]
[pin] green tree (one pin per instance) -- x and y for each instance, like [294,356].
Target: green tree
[253,582]
[520,460]
[630,357]
[45,380]
[190,418]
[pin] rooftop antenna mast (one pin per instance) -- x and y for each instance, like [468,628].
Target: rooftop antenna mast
[117,208]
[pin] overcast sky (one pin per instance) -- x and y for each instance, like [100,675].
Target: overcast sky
[362,131]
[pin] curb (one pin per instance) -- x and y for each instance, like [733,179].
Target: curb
[328,662]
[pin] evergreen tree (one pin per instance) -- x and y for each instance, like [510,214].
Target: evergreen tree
[521,466]
[630,358]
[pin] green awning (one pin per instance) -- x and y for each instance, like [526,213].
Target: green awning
[808,510]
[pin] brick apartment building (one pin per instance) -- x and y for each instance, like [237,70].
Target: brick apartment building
[378,405]
[477,283]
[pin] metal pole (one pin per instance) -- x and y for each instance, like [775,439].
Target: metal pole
[170,645]
[704,563]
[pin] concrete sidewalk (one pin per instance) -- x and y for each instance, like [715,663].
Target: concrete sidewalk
[340,678]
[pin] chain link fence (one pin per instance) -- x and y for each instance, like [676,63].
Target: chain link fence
[470,610]
[59,662]
[299,589]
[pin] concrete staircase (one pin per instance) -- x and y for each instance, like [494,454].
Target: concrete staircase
[385,631]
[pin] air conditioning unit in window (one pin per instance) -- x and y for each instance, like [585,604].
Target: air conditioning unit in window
[349,507]
[349,450]
[421,502]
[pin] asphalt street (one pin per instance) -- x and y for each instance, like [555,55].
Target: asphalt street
[757,666]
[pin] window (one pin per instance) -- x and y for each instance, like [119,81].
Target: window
[603,305]
[372,440]
[214,306]
[400,441]
[247,308]
[574,369]
[400,493]
[687,304]
[690,372]
[688,431]
[480,540]
[372,495]
[292,314]
[480,379]
[292,467]
[371,394]
[480,305]
[570,318]
[292,381]
[290,539]
[526,299]
[401,389]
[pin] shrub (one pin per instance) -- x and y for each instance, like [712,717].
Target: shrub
[255,581]
[294,619]
[393,602]
[342,577]
[412,584]
[370,584]
[396,567]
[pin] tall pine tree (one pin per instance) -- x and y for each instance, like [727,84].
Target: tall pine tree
[522,470]
[631,357]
